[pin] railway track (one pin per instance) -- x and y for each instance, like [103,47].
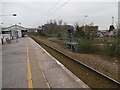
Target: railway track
[90,76]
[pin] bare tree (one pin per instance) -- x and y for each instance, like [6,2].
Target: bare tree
[39,26]
[60,22]
[54,22]
[47,22]
[51,21]
[65,23]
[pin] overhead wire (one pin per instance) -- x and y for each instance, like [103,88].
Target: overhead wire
[53,6]
[58,8]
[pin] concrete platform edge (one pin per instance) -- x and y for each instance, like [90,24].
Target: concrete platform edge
[64,68]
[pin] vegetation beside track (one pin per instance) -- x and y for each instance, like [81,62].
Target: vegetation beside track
[90,78]
[105,65]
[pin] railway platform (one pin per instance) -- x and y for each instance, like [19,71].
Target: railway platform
[31,66]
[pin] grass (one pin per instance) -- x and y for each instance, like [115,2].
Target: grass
[83,73]
[60,42]
[110,49]
[86,46]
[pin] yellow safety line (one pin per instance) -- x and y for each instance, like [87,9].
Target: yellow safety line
[30,84]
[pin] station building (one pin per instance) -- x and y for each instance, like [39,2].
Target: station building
[13,32]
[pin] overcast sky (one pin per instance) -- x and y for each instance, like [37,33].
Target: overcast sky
[32,13]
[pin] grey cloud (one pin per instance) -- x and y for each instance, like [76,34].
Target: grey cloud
[32,14]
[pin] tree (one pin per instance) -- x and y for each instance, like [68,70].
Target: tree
[79,32]
[54,22]
[118,33]
[60,22]
[65,23]
[51,21]
[39,26]
[47,22]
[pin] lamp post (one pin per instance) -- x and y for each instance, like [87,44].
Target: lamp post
[1,36]
[112,20]
[85,21]
[1,33]
[8,15]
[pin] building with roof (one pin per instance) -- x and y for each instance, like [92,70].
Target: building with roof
[13,32]
[90,28]
[55,29]
[34,29]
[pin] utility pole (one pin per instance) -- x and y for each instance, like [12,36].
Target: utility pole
[118,42]
[85,21]
[112,20]
[1,33]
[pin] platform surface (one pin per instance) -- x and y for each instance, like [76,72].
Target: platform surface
[46,71]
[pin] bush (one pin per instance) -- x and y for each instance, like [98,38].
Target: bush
[86,46]
[79,32]
[112,49]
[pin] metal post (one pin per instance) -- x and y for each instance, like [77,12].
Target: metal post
[85,22]
[2,41]
[1,34]
[112,20]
